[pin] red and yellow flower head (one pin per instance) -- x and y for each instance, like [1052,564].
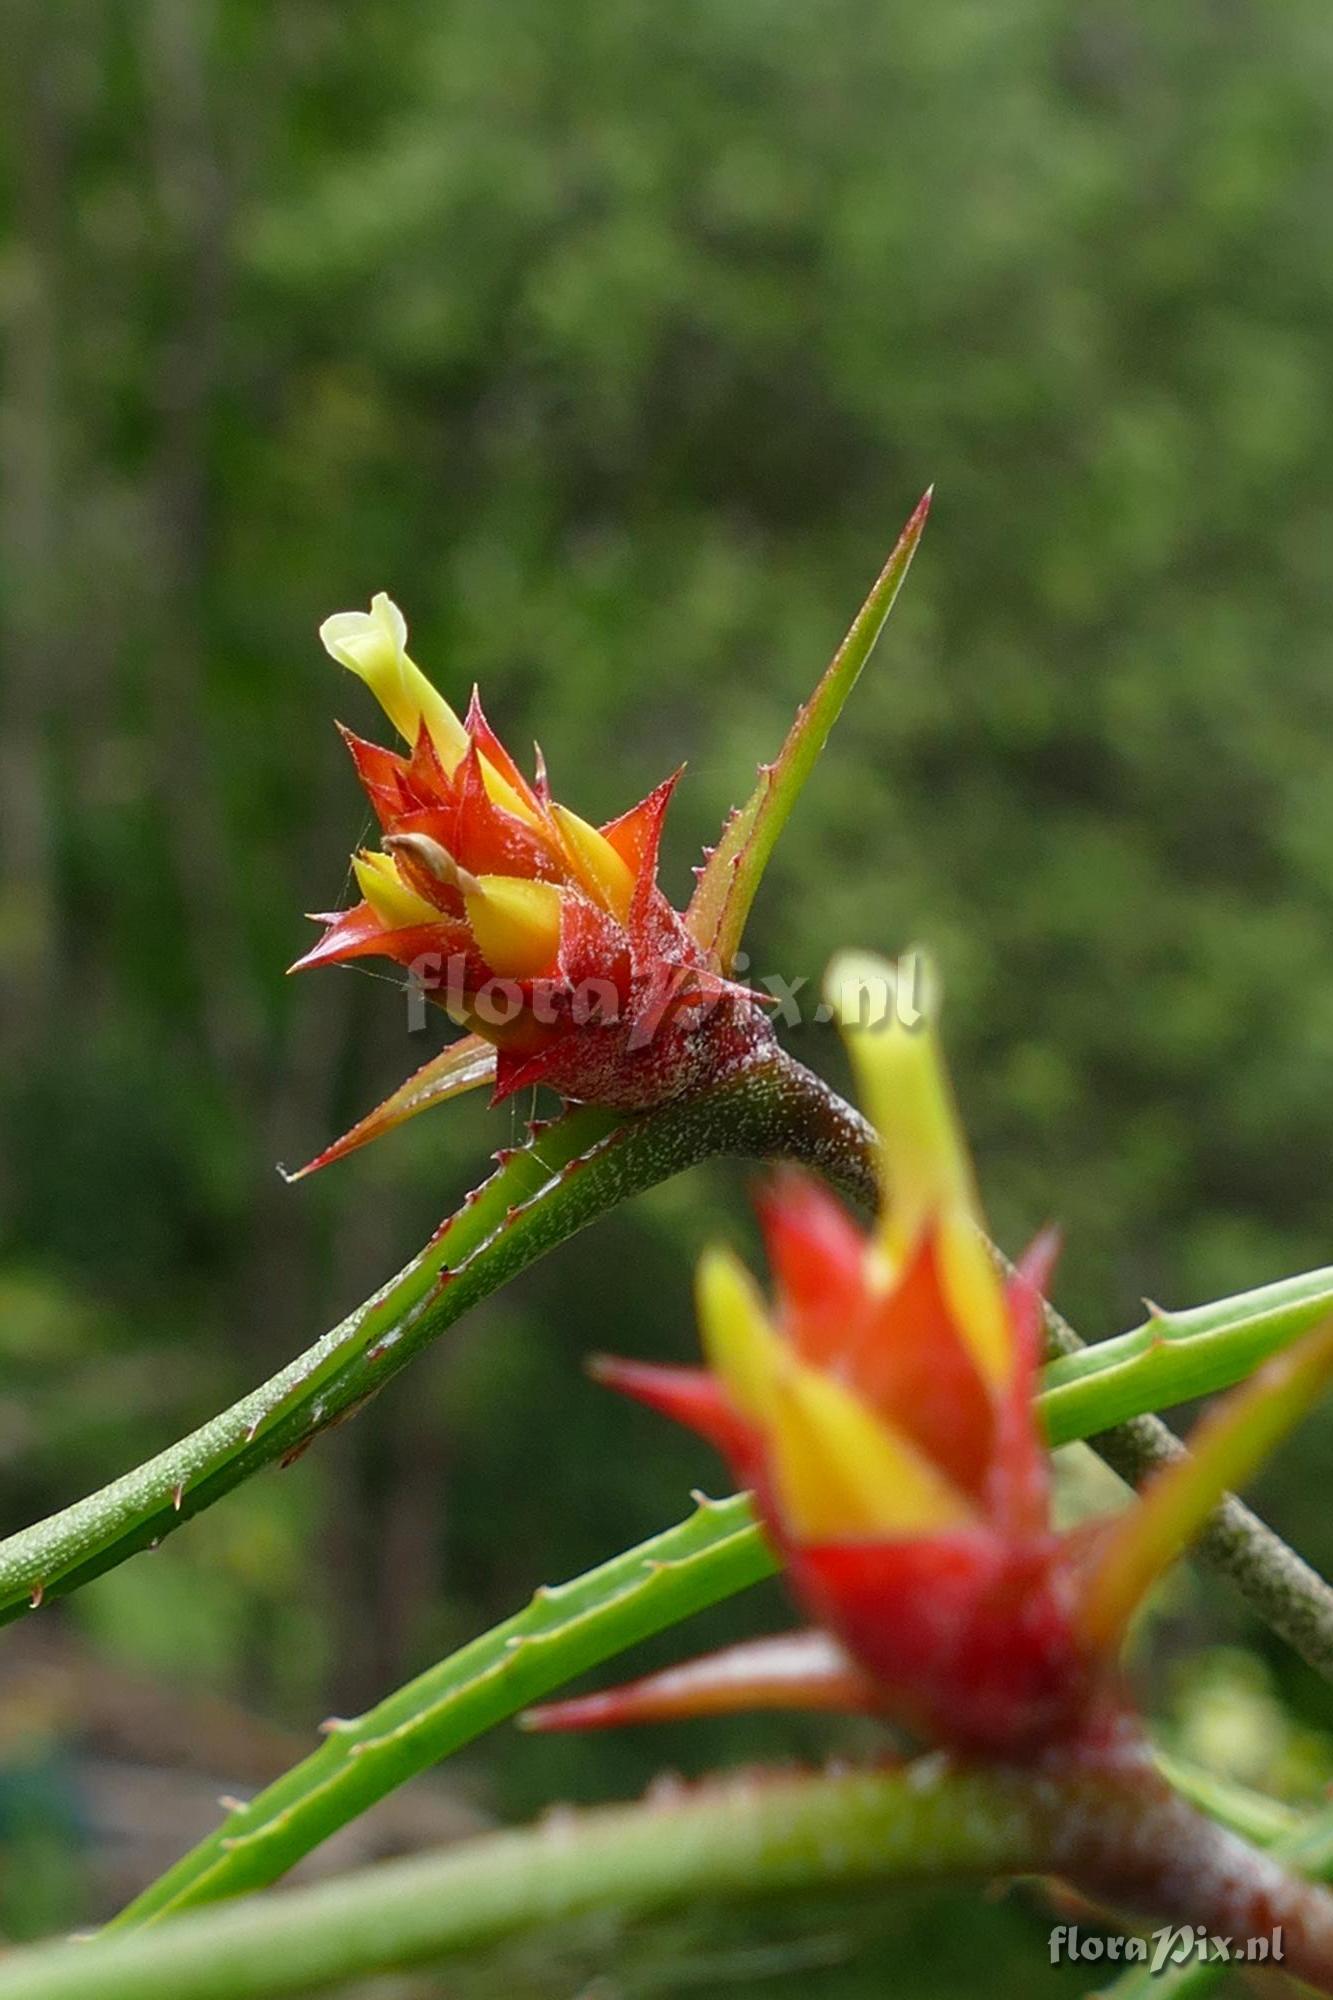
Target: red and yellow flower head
[544,935]
[881,1410]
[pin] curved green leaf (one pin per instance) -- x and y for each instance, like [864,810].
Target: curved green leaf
[733,870]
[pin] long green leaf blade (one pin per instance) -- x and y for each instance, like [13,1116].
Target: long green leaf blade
[733,871]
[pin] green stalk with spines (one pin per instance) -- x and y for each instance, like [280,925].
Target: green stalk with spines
[733,1840]
[1184,1354]
[140,1508]
[742,1837]
[562,1632]
[574,1169]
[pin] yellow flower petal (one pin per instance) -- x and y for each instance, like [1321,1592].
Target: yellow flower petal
[598,867]
[740,1343]
[501,793]
[839,1470]
[516,923]
[889,1016]
[394,903]
[373,645]
[843,1474]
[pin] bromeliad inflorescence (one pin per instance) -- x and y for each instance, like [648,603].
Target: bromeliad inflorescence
[881,1412]
[544,936]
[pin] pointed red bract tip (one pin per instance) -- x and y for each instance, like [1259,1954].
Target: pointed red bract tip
[817,1254]
[1038,1261]
[791,1670]
[689,1396]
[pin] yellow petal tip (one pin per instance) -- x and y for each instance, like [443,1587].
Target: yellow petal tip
[397,905]
[515,922]
[373,645]
[740,1343]
[600,870]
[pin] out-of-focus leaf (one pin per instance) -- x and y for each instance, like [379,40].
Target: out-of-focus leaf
[1225,1450]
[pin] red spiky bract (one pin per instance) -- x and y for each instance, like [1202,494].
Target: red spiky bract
[968,1636]
[629,1013]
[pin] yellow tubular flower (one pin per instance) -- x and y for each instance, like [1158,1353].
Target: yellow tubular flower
[889,1015]
[373,645]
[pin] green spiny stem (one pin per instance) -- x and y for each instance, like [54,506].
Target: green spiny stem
[1113,1832]
[572,1171]
[1185,1354]
[1277,1584]
[562,1632]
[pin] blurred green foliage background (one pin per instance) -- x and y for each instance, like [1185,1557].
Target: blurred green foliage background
[616,340]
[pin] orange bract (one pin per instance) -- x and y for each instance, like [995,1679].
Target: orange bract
[536,931]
